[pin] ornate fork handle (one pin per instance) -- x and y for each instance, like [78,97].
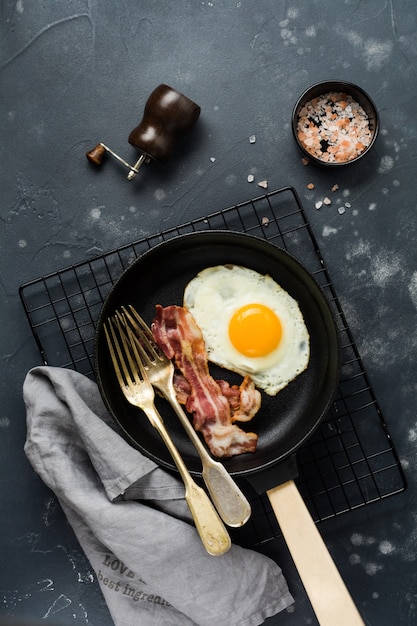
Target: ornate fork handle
[213,534]
[232,505]
[138,391]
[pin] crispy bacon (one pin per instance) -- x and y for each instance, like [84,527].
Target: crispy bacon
[244,400]
[214,404]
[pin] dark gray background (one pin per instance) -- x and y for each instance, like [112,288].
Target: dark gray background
[76,72]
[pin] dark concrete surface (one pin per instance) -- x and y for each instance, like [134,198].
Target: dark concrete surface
[78,72]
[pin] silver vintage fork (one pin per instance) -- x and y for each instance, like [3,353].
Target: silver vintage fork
[137,389]
[232,505]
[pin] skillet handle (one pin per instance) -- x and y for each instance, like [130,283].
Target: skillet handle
[326,590]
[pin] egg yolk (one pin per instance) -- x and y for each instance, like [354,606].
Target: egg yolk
[255,330]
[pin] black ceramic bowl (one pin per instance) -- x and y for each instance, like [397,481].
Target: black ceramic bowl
[335,131]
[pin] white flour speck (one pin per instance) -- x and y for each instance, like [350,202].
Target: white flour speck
[95,213]
[412,435]
[329,230]
[372,206]
[372,568]
[310,31]
[384,267]
[354,559]
[375,595]
[4,422]
[356,539]
[354,38]
[293,12]
[65,323]
[285,33]
[412,288]
[22,243]
[386,547]
[377,53]
[159,194]
[360,248]
[386,164]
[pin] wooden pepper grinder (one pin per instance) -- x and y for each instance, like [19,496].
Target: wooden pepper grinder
[167,116]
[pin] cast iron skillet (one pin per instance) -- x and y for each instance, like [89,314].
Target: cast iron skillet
[283,423]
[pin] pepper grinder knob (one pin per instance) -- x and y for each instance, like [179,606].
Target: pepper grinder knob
[96,155]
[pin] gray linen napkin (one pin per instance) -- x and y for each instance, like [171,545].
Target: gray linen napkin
[132,521]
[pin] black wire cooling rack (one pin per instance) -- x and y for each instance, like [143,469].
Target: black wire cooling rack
[349,462]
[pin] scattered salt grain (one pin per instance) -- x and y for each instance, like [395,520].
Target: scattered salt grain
[212,159]
[347,205]
[265,221]
[305,161]
[327,200]
[251,178]
[333,128]
[310,186]
[335,187]
[341,210]
[318,204]
[252,139]
[263,184]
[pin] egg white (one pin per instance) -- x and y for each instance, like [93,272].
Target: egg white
[213,296]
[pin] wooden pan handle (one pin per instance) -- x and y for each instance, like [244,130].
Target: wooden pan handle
[325,588]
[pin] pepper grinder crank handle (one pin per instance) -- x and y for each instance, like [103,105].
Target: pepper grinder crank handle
[168,115]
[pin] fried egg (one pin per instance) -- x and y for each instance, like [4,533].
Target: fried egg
[250,325]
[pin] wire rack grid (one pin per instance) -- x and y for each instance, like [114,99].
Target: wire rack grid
[349,462]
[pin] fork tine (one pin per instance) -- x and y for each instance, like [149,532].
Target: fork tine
[137,346]
[111,341]
[125,375]
[144,333]
[133,354]
[123,348]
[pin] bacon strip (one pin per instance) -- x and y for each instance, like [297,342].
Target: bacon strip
[244,400]
[178,335]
